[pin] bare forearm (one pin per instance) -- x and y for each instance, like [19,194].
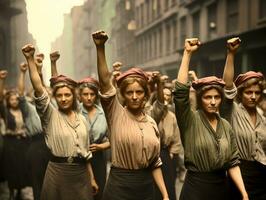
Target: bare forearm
[160,87]
[21,83]
[103,72]
[35,78]
[228,74]
[90,171]
[158,178]
[182,76]
[2,85]
[236,176]
[54,69]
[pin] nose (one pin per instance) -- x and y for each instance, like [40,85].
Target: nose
[89,97]
[213,101]
[253,95]
[134,95]
[63,98]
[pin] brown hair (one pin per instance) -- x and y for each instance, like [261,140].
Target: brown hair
[73,91]
[131,79]
[246,84]
[200,92]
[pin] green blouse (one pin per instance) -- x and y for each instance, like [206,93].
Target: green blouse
[205,149]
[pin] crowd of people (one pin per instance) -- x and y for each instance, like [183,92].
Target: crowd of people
[151,129]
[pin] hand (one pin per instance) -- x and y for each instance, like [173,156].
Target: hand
[3,74]
[28,50]
[23,67]
[39,64]
[54,56]
[116,74]
[99,38]
[192,75]
[117,66]
[40,55]
[156,76]
[192,44]
[164,78]
[95,187]
[233,44]
[95,147]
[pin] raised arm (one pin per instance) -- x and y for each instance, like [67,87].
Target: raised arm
[54,56]
[21,78]
[28,51]
[99,38]
[39,63]
[191,45]
[3,75]
[228,75]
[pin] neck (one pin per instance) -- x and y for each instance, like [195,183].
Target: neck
[137,113]
[211,116]
[13,108]
[90,108]
[67,112]
[251,111]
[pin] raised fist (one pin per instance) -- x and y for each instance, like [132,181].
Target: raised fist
[54,56]
[40,56]
[233,44]
[99,38]
[3,74]
[28,50]
[192,44]
[117,66]
[23,67]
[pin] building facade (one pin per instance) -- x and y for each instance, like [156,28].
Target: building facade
[163,25]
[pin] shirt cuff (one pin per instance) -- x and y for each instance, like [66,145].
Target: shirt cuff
[230,93]
[111,92]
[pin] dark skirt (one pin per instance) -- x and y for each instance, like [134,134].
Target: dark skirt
[124,184]
[205,185]
[15,162]
[168,176]
[254,177]
[99,163]
[65,181]
[38,156]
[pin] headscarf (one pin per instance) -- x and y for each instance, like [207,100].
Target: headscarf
[89,82]
[241,78]
[61,80]
[132,72]
[210,80]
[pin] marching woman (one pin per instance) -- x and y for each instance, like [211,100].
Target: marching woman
[133,135]
[69,174]
[92,111]
[248,124]
[209,144]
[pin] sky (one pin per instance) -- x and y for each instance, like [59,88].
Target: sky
[45,21]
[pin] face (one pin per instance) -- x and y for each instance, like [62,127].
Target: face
[251,96]
[211,101]
[167,95]
[64,98]
[87,97]
[134,96]
[13,101]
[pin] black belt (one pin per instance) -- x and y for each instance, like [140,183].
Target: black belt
[69,159]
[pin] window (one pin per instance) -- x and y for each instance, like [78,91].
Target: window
[232,15]
[212,21]
[160,42]
[183,29]
[196,24]
[262,9]
[166,4]
[148,11]
[141,15]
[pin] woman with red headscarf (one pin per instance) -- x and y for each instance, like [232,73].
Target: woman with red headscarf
[248,124]
[209,144]
[133,135]
[69,174]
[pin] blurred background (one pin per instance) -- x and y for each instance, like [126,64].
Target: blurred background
[145,33]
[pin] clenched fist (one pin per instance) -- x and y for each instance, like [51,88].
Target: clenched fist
[54,56]
[28,50]
[192,44]
[99,38]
